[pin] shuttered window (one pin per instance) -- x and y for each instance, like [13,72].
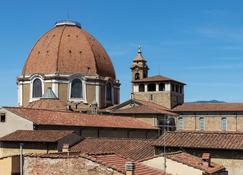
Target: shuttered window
[201,123]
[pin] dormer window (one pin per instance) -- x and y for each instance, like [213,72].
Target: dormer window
[76,89]
[37,88]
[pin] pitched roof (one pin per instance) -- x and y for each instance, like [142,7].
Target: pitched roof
[143,107]
[202,140]
[132,148]
[110,160]
[157,78]
[119,162]
[49,94]
[195,162]
[50,104]
[35,136]
[206,107]
[50,117]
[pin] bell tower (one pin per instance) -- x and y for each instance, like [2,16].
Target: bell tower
[139,67]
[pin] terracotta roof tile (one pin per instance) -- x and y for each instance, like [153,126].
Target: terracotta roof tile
[207,107]
[204,140]
[144,107]
[110,160]
[35,136]
[119,163]
[131,148]
[69,49]
[50,117]
[156,78]
[50,104]
[195,162]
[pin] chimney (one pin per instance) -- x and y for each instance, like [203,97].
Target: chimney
[130,168]
[206,157]
[65,148]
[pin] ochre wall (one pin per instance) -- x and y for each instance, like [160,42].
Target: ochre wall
[63,91]
[91,93]
[26,94]
[212,122]
[162,98]
[9,149]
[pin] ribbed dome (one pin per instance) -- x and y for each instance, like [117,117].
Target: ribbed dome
[68,49]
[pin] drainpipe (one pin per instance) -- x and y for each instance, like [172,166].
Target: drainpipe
[21,158]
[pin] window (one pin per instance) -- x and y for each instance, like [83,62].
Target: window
[180,124]
[224,123]
[201,123]
[3,117]
[172,87]
[151,97]
[161,87]
[177,88]
[181,89]
[151,87]
[137,77]
[37,88]
[76,89]
[141,88]
[108,92]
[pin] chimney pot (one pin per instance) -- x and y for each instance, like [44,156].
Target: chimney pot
[130,168]
[206,157]
[65,148]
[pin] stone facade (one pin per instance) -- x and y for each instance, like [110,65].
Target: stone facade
[212,121]
[65,166]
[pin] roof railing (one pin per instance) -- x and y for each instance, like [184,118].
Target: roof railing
[68,23]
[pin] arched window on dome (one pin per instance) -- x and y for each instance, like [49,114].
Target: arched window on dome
[108,92]
[76,89]
[37,88]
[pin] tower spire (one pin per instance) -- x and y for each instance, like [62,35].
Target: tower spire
[139,49]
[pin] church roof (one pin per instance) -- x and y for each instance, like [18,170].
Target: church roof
[63,118]
[68,49]
[133,148]
[209,107]
[157,78]
[141,107]
[35,136]
[202,140]
[49,101]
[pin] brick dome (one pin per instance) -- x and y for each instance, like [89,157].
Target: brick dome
[68,49]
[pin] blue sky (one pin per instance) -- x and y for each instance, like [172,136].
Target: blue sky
[197,42]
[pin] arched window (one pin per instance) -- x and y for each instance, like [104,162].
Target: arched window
[76,89]
[141,88]
[161,87]
[108,92]
[180,124]
[201,123]
[137,77]
[151,87]
[37,88]
[224,123]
